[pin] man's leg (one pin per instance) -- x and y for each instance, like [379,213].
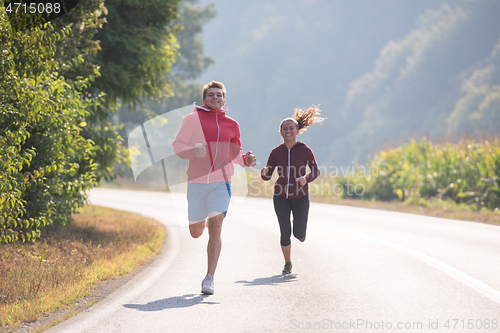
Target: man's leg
[197,208]
[214,241]
[196,228]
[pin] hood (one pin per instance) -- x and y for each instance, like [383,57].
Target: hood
[207,109]
[297,144]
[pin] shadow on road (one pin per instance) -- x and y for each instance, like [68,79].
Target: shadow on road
[171,303]
[269,281]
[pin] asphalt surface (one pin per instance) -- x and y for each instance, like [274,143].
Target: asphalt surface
[359,270]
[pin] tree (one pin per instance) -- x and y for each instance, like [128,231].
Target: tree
[42,179]
[138,46]
[133,45]
[189,65]
[55,133]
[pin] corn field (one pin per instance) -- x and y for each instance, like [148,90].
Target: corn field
[466,172]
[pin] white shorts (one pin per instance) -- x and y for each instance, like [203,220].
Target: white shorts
[206,198]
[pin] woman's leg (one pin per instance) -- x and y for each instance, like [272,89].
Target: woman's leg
[300,212]
[287,252]
[283,208]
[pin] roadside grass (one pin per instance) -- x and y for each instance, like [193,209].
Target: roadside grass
[66,264]
[436,208]
[323,190]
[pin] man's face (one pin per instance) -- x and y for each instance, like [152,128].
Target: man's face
[214,98]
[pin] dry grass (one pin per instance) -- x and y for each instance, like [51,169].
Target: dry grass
[435,208]
[66,264]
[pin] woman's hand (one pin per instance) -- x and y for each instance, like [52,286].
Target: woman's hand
[264,171]
[302,180]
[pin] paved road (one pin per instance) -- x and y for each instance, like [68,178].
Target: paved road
[360,270]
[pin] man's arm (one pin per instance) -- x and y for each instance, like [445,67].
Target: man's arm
[181,142]
[236,152]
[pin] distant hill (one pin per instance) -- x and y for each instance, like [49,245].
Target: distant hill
[383,71]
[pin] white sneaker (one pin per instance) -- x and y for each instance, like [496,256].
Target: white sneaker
[207,285]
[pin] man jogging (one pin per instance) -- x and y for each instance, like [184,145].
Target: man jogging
[210,140]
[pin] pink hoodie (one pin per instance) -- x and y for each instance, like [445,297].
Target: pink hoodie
[220,134]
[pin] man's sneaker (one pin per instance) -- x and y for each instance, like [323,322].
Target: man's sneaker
[207,285]
[288,268]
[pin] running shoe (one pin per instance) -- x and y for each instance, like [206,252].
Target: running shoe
[288,268]
[207,285]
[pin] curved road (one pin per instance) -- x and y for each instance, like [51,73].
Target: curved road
[360,270]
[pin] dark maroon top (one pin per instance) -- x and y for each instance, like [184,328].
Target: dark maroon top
[291,164]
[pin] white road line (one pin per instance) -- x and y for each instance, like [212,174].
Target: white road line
[477,285]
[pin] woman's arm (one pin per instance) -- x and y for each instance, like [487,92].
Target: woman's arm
[313,165]
[267,171]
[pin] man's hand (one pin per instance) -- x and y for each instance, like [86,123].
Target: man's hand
[250,159]
[200,150]
[264,171]
[302,180]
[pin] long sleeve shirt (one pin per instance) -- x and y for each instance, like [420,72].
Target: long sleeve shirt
[291,164]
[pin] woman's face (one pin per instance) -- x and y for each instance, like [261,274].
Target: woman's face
[289,131]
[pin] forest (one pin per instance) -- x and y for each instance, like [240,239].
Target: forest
[386,74]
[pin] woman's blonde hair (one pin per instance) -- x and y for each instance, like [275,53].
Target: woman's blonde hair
[304,119]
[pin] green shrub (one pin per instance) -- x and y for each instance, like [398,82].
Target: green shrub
[465,172]
[45,164]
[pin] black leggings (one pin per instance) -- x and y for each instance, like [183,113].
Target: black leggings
[300,210]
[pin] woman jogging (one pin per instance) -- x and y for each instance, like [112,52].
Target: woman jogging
[291,190]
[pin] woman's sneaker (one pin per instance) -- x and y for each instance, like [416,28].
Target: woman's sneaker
[288,268]
[207,285]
